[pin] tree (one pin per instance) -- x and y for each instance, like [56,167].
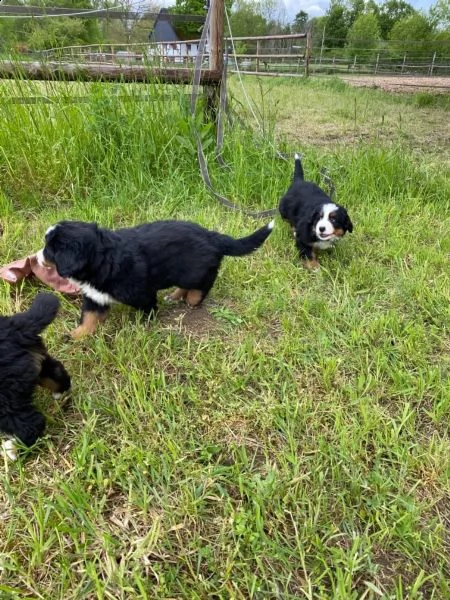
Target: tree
[89,32]
[440,14]
[56,33]
[50,32]
[441,43]
[273,11]
[391,12]
[191,7]
[133,27]
[245,20]
[413,35]
[364,35]
[357,8]
[336,26]
[317,26]
[299,22]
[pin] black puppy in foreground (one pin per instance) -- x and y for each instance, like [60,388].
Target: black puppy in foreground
[317,222]
[130,265]
[24,364]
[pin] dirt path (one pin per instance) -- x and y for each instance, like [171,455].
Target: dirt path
[402,84]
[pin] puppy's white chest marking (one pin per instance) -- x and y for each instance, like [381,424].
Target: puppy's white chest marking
[325,244]
[96,296]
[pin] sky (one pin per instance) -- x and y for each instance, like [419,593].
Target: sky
[317,8]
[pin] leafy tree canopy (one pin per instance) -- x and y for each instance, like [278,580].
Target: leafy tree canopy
[364,35]
[299,23]
[392,11]
[413,35]
[336,25]
[440,14]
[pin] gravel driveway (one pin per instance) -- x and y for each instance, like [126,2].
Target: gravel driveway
[402,84]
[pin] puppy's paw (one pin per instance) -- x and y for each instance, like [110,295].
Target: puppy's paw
[177,295]
[10,449]
[79,333]
[63,398]
[312,265]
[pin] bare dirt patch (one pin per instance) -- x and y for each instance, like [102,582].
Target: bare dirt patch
[194,321]
[402,84]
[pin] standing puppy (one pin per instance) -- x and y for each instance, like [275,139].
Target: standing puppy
[317,222]
[130,265]
[24,364]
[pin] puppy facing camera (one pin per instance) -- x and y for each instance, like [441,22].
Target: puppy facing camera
[317,222]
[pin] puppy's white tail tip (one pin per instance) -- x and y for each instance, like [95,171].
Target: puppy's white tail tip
[271,225]
[297,156]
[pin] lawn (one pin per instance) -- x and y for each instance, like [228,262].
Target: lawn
[290,439]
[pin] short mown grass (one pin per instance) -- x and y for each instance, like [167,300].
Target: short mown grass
[289,439]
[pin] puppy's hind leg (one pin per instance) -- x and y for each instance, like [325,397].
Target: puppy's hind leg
[195,296]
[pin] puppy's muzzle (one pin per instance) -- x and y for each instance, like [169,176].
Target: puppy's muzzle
[41,260]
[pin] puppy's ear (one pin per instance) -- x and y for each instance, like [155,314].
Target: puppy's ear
[69,263]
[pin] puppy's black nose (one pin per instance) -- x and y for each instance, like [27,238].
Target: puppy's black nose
[322,229]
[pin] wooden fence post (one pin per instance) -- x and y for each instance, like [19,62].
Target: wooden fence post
[404,62]
[321,46]
[432,65]
[257,55]
[216,29]
[307,52]
[376,64]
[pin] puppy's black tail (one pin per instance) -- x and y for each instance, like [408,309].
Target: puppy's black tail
[40,314]
[298,169]
[245,245]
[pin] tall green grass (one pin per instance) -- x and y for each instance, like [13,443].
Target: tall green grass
[290,439]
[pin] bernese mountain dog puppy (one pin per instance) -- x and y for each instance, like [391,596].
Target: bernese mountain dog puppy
[317,222]
[24,364]
[130,265]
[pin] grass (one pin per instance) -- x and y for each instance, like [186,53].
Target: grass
[328,113]
[289,439]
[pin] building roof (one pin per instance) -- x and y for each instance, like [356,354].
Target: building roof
[162,29]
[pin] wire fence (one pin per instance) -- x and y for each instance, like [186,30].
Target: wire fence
[280,55]
[380,63]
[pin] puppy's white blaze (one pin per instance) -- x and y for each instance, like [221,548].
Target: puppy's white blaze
[271,225]
[56,395]
[97,296]
[51,228]
[324,221]
[9,446]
